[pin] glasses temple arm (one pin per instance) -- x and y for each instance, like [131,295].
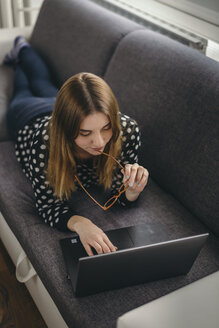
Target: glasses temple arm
[87,192]
[112,158]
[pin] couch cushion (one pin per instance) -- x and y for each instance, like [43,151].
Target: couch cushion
[78,36]
[17,199]
[172,91]
[6,89]
[41,244]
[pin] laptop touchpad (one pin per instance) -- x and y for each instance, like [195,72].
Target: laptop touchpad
[120,238]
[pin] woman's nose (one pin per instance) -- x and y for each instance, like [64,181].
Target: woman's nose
[98,140]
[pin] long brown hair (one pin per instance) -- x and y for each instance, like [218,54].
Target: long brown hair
[81,95]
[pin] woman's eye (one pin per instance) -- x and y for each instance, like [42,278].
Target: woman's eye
[85,134]
[108,127]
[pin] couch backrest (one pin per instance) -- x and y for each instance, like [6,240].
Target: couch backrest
[78,36]
[173,92]
[72,36]
[6,90]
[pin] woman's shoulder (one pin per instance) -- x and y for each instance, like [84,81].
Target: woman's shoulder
[41,122]
[128,124]
[39,133]
[40,128]
[126,118]
[32,129]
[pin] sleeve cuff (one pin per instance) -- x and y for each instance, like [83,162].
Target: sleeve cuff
[125,202]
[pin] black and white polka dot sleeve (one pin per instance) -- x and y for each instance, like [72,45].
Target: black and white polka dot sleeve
[130,147]
[130,140]
[52,210]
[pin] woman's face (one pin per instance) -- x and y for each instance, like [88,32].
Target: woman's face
[95,132]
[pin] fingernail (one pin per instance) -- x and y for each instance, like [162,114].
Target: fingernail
[136,182]
[130,184]
[127,176]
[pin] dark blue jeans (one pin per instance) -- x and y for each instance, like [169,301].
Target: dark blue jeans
[34,92]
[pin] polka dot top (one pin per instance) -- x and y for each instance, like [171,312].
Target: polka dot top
[32,153]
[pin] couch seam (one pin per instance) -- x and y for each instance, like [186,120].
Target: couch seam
[116,47]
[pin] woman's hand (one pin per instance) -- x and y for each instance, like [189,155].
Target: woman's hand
[90,235]
[136,177]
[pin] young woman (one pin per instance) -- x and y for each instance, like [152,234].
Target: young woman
[70,140]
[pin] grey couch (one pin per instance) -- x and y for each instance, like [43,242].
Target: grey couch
[173,93]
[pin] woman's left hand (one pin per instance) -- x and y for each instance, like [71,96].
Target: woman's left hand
[137,177]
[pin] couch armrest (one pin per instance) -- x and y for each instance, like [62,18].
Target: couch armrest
[7,36]
[195,305]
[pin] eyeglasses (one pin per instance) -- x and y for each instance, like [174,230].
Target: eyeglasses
[114,198]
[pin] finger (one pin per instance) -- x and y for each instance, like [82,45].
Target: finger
[97,247]
[105,243]
[127,172]
[125,177]
[144,177]
[139,187]
[88,249]
[141,173]
[133,175]
[109,244]
[105,248]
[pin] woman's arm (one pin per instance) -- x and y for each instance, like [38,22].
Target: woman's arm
[32,154]
[134,175]
[57,213]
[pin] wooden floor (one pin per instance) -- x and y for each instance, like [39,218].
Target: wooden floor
[17,309]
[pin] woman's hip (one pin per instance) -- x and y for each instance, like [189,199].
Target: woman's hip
[21,111]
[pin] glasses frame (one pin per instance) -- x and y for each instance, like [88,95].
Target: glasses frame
[114,197]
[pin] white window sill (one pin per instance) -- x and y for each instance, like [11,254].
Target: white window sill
[200,33]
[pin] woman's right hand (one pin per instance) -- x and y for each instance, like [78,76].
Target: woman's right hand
[90,235]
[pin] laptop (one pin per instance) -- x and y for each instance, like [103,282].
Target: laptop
[144,254]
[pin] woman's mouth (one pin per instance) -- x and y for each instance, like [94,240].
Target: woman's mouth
[98,149]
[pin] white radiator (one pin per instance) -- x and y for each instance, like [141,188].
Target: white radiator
[18,13]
